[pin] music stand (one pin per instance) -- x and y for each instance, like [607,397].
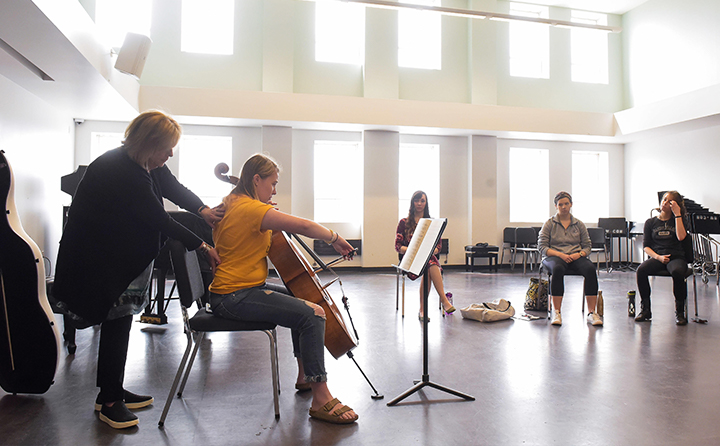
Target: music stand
[425,238]
[615,227]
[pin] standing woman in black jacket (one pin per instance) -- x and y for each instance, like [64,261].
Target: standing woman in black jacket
[112,235]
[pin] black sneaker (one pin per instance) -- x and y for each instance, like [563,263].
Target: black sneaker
[118,416]
[132,401]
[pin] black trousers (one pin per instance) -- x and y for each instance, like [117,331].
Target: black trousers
[558,268]
[677,267]
[112,354]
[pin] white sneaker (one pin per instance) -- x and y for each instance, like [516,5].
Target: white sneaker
[594,319]
[557,319]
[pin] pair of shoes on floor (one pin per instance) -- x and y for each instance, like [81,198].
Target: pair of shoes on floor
[644,316]
[302,387]
[594,319]
[557,318]
[420,317]
[118,416]
[131,400]
[333,417]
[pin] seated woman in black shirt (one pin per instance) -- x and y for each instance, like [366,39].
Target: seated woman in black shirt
[663,243]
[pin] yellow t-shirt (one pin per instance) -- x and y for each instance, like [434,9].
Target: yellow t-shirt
[242,245]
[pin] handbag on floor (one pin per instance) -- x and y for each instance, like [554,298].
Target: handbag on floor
[496,310]
[536,297]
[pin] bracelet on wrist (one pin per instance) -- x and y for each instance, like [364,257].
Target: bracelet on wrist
[202,208]
[333,237]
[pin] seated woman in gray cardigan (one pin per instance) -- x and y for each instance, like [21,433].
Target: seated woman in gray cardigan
[565,244]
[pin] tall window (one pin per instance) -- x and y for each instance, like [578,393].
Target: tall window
[207,26]
[419,170]
[339,32]
[337,198]
[529,43]
[590,185]
[419,37]
[529,184]
[115,18]
[101,142]
[198,156]
[589,49]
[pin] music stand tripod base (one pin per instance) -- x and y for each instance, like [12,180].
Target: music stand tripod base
[426,375]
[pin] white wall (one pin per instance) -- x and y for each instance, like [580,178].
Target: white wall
[687,162]
[38,143]
[670,47]
[560,176]
[275,52]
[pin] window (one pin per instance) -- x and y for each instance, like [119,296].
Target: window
[529,184]
[590,185]
[589,49]
[198,156]
[207,26]
[419,37]
[339,32]
[101,142]
[337,198]
[529,43]
[115,18]
[419,170]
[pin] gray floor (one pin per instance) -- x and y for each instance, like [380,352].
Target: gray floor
[623,384]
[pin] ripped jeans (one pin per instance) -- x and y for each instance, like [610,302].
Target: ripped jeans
[260,304]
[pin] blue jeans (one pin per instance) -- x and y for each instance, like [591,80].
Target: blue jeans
[558,268]
[261,304]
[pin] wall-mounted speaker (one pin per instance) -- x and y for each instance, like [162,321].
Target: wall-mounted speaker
[132,55]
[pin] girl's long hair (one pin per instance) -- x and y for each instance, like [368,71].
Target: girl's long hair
[677,198]
[257,164]
[411,222]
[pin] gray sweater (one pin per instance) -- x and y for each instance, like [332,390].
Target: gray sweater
[568,241]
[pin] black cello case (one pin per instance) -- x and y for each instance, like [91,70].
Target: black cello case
[29,337]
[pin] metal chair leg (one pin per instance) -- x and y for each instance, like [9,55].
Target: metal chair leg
[198,339]
[180,370]
[274,367]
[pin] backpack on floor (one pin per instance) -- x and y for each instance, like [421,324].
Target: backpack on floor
[496,310]
[536,297]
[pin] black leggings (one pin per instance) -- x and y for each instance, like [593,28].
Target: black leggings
[114,339]
[677,267]
[558,268]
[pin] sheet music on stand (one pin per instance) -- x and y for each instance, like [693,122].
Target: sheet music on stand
[424,240]
[421,247]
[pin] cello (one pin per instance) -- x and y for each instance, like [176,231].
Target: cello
[302,282]
[29,336]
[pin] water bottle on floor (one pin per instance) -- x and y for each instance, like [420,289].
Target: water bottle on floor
[631,303]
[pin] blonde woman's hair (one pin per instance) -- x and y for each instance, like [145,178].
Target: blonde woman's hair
[257,164]
[148,133]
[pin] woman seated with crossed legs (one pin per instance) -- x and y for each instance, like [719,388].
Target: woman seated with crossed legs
[403,235]
[564,243]
[242,239]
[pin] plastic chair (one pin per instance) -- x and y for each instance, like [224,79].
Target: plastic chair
[508,243]
[526,243]
[599,245]
[191,289]
[549,275]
